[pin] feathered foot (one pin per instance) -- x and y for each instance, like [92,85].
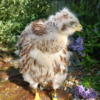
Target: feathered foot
[37,95]
[54,96]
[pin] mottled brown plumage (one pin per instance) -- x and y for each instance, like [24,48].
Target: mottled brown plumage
[38,28]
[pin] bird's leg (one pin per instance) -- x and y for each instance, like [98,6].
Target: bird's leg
[37,95]
[54,96]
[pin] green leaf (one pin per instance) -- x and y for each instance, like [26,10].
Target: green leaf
[96,87]
[96,79]
[73,4]
[91,60]
[33,17]
[89,26]
[86,84]
[1,23]
[95,25]
[87,31]
[81,63]
[87,50]
[96,31]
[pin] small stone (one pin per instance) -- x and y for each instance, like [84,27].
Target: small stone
[70,83]
[65,88]
[72,91]
[76,83]
[76,97]
[68,89]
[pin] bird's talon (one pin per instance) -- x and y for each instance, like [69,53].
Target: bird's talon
[37,97]
[54,97]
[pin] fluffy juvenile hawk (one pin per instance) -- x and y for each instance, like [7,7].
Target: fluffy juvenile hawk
[43,50]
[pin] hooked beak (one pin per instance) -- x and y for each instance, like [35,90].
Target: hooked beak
[80,28]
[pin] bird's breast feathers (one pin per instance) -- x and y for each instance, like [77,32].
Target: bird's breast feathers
[36,49]
[43,47]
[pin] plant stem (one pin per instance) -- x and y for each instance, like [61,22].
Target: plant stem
[76,56]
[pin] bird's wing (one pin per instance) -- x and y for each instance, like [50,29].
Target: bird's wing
[25,46]
[38,27]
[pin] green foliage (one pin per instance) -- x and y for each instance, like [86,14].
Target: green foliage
[89,16]
[91,82]
[16,14]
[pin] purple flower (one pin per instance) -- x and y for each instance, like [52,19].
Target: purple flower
[72,39]
[83,55]
[79,89]
[93,30]
[70,46]
[98,5]
[98,28]
[76,14]
[74,46]
[93,94]
[79,49]
[79,40]
[91,90]
[91,99]
[78,45]
[89,94]
[72,43]
[84,95]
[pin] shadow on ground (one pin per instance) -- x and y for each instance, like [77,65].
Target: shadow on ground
[16,78]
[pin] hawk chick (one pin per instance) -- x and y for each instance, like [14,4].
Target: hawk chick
[43,50]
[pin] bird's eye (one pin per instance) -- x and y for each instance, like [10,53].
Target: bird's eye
[71,23]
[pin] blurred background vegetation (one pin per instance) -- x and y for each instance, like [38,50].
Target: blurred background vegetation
[16,14]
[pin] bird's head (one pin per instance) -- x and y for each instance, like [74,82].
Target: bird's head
[65,22]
